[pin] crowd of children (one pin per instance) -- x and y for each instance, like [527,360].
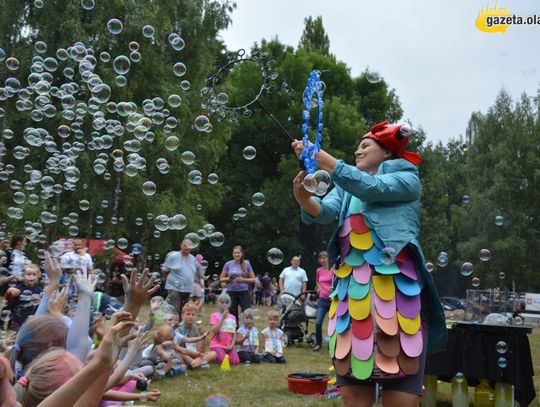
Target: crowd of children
[56,357]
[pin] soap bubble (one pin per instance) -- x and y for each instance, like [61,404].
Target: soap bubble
[502,362]
[459,377]
[88,4]
[258,199]
[501,347]
[388,255]
[475,282]
[64,131]
[249,153]
[209,229]
[178,222]
[466,269]
[101,93]
[133,46]
[430,267]
[12,64]
[466,199]
[202,123]
[499,220]
[172,143]
[317,183]
[195,177]
[242,212]
[162,222]
[179,69]
[99,276]
[149,188]
[187,157]
[217,239]
[274,256]
[502,275]
[121,64]
[373,77]
[122,243]
[73,230]
[442,259]
[174,100]
[193,240]
[484,254]
[213,178]
[185,85]
[115,26]
[148,31]
[40,47]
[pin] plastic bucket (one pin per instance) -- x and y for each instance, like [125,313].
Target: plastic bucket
[307,383]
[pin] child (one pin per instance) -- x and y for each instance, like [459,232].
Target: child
[273,348]
[24,298]
[223,332]
[247,337]
[189,341]
[161,354]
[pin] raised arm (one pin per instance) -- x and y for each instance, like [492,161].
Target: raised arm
[77,338]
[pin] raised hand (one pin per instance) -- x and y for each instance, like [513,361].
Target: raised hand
[113,341]
[53,270]
[137,291]
[300,193]
[86,283]
[57,303]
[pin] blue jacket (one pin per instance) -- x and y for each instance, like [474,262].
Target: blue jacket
[390,202]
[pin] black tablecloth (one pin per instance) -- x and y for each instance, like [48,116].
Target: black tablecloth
[471,350]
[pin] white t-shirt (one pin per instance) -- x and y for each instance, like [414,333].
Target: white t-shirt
[293,279]
[182,271]
[18,261]
[272,341]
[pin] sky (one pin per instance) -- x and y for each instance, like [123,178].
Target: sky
[442,67]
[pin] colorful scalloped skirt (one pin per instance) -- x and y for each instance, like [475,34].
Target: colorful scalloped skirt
[375,327]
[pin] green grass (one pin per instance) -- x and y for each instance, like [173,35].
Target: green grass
[266,385]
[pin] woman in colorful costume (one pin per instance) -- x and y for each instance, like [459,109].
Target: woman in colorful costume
[385,316]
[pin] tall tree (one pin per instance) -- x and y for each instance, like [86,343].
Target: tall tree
[314,37]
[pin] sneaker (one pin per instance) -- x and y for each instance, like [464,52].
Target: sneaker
[316,348]
[205,366]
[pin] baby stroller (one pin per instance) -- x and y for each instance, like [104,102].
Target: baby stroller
[294,316]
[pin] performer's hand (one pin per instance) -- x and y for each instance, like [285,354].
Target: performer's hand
[298,147]
[300,193]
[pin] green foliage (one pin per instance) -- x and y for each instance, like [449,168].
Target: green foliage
[314,37]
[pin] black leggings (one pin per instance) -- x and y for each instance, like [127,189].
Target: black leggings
[239,298]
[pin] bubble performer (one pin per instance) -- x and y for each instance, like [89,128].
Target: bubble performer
[385,315]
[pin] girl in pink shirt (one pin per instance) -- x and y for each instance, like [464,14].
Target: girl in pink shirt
[224,331]
[324,282]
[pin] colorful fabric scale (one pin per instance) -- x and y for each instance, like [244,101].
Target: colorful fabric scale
[374,326]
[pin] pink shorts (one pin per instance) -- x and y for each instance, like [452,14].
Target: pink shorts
[220,355]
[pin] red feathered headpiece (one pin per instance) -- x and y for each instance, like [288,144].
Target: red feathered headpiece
[393,139]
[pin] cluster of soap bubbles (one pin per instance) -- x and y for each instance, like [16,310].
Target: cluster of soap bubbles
[240,213]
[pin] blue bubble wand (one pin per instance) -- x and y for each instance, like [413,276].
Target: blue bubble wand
[313,92]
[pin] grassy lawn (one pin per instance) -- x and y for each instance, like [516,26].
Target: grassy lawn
[266,385]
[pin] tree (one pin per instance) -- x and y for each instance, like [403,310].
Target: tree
[314,37]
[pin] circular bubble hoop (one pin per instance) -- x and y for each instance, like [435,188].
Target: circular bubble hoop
[212,102]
